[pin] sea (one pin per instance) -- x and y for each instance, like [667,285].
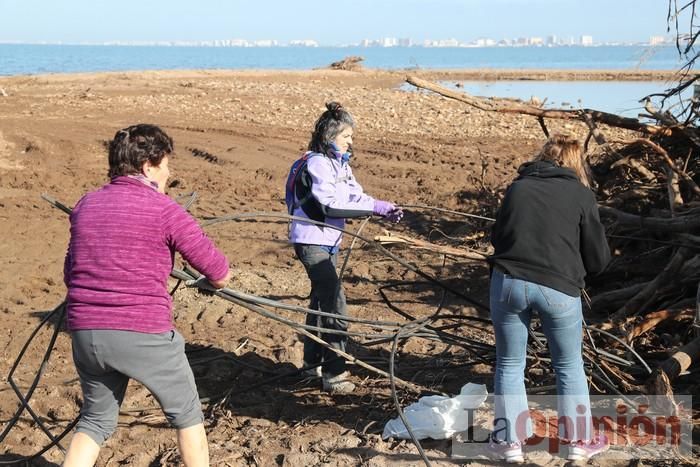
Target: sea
[618,97]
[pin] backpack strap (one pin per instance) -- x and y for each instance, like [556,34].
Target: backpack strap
[303,184]
[300,177]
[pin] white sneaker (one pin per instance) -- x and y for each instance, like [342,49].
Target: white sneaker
[585,450]
[511,453]
[339,384]
[311,372]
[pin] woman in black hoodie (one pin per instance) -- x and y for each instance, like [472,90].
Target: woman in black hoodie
[547,238]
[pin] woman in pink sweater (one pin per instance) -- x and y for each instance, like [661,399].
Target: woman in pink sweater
[123,240]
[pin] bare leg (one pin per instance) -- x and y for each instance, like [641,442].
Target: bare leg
[193,446]
[82,451]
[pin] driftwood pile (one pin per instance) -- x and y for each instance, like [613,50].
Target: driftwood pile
[348,63]
[647,187]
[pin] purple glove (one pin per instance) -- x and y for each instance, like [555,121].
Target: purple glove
[383,208]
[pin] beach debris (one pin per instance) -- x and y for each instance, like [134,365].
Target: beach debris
[204,155]
[438,417]
[3,93]
[511,106]
[536,101]
[30,147]
[401,239]
[649,195]
[348,63]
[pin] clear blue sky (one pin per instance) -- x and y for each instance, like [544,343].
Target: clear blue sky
[327,21]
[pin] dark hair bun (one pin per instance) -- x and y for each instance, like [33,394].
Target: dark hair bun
[334,106]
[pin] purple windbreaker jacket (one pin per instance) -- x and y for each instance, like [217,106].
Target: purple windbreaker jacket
[339,196]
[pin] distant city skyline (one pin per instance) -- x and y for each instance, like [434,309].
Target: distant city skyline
[386,42]
[328,23]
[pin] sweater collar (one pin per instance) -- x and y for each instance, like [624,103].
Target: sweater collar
[135,179]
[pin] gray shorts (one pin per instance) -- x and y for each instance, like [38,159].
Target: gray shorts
[106,359]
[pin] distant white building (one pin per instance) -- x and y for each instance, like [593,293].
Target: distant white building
[266,43]
[586,40]
[484,42]
[405,42]
[372,43]
[388,42]
[448,43]
[239,43]
[657,40]
[303,43]
[552,40]
[536,41]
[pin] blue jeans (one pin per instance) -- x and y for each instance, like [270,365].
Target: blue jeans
[513,302]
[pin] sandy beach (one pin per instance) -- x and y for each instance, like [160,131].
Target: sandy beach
[414,148]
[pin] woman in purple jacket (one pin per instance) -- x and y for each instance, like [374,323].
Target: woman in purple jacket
[332,195]
[119,312]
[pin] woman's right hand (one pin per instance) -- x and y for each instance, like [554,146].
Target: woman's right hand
[220,284]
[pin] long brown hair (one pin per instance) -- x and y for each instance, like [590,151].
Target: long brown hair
[566,151]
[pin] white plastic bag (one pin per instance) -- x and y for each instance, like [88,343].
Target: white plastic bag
[437,417]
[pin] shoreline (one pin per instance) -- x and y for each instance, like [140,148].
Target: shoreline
[466,74]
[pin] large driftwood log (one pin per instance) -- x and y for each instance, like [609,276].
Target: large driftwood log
[690,240]
[615,298]
[669,120]
[664,154]
[630,161]
[660,381]
[654,319]
[423,245]
[671,368]
[348,63]
[507,106]
[689,222]
[675,200]
[639,302]
[594,130]
[690,271]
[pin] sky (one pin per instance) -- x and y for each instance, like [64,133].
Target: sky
[326,21]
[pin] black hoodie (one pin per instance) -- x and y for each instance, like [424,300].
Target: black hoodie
[548,230]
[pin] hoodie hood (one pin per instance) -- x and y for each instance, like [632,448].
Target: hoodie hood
[545,169]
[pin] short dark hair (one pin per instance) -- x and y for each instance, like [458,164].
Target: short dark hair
[134,146]
[328,126]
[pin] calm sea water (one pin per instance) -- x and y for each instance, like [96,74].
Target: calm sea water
[18,59]
[617,97]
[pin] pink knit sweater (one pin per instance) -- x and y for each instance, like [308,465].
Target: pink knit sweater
[121,250]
